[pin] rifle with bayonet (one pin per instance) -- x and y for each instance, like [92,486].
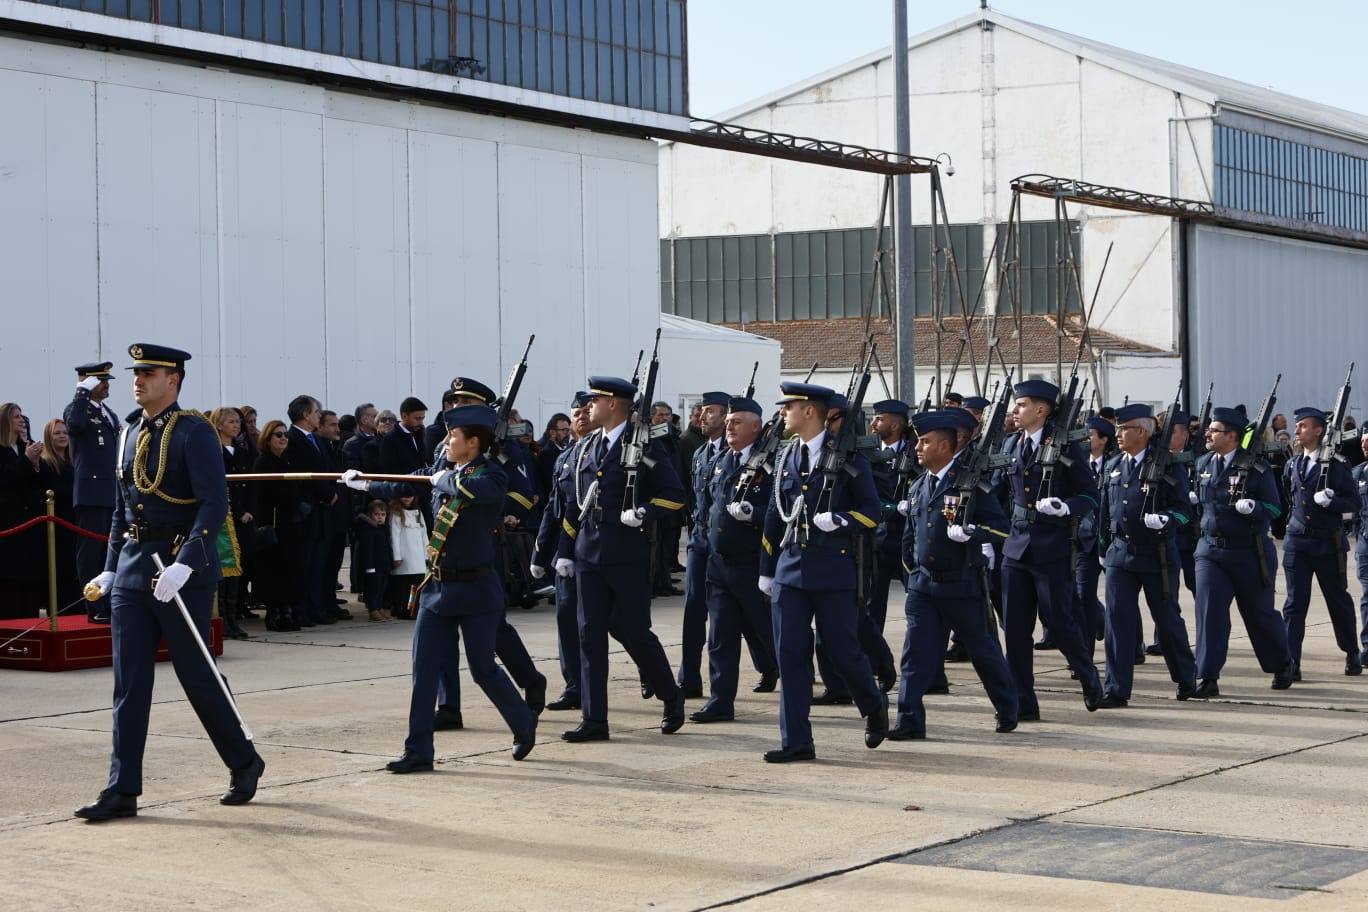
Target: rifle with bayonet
[639,434]
[503,430]
[1054,449]
[1334,432]
[1251,458]
[1204,416]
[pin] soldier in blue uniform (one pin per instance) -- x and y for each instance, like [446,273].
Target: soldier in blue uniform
[553,526]
[609,553]
[736,606]
[1036,571]
[1316,544]
[1088,559]
[94,428]
[890,425]
[171,500]
[809,570]
[1142,555]
[711,417]
[947,568]
[1360,477]
[1235,557]
[462,594]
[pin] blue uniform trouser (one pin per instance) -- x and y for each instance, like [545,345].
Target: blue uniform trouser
[1361,557]
[736,608]
[567,633]
[887,568]
[1091,616]
[436,639]
[929,619]
[1123,611]
[1329,570]
[1226,574]
[508,646]
[616,599]
[695,632]
[836,612]
[91,554]
[138,623]
[1044,589]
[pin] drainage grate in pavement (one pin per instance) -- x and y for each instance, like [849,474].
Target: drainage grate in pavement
[1150,858]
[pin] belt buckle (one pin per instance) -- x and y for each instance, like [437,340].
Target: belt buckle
[131,533]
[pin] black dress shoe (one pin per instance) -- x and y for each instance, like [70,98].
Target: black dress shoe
[938,688]
[325,618]
[905,734]
[888,678]
[1154,649]
[342,615]
[1033,716]
[1283,679]
[1092,693]
[1207,689]
[447,719]
[108,806]
[1043,644]
[536,697]
[791,754]
[647,691]
[409,763]
[827,698]
[712,715]
[242,784]
[768,681]
[1186,690]
[957,653]
[99,618]
[876,724]
[692,692]
[563,702]
[587,731]
[1140,657]
[1353,664]
[1111,701]
[301,621]
[1005,726]
[523,744]
[673,719]
[1296,672]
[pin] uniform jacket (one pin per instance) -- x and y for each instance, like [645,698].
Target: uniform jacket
[193,471]
[888,536]
[560,499]
[735,545]
[936,565]
[1219,518]
[1034,536]
[1360,476]
[1130,544]
[94,431]
[1311,528]
[701,474]
[602,538]
[827,561]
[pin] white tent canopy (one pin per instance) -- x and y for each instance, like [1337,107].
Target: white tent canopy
[698,357]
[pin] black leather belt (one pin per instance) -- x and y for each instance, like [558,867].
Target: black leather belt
[948,576]
[450,575]
[142,532]
[1031,514]
[1221,541]
[1322,534]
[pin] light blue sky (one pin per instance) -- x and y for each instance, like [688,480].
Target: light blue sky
[1315,49]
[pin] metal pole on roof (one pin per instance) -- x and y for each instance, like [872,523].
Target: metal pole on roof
[906,310]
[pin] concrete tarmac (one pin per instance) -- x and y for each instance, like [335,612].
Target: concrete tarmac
[1250,801]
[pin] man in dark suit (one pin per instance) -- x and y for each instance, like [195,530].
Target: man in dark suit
[365,432]
[434,435]
[337,517]
[401,450]
[304,453]
[94,431]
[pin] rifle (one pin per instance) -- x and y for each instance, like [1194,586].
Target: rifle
[503,431]
[1065,415]
[638,436]
[985,457]
[750,387]
[763,451]
[835,458]
[1204,417]
[1334,431]
[1155,471]
[811,370]
[1251,458]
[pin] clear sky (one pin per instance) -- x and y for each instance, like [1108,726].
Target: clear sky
[1314,49]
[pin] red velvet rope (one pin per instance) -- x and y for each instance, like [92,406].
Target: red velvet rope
[70,526]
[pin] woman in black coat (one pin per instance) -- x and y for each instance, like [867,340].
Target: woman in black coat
[22,557]
[277,580]
[227,422]
[57,473]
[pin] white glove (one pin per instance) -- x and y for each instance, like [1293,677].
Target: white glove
[905,507]
[349,479]
[437,477]
[988,554]
[565,568]
[828,522]
[170,580]
[766,584]
[633,518]
[1052,506]
[1244,506]
[104,582]
[1155,521]
[961,534]
[89,383]
[1192,497]
[741,511]
[1323,497]
[537,571]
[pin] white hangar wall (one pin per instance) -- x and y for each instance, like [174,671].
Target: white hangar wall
[297,239]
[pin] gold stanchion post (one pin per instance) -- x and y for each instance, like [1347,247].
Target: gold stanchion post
[52,559]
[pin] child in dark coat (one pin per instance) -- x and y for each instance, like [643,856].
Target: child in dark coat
[374,557]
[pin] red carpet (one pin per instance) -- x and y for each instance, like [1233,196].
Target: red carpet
[77,643]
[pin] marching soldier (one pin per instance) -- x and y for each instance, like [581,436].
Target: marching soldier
[712,413]
[608,551]
[94,428]
[1046,498]
[1320,494]
[1236,558]
[462,594]
[1360,476]
[170,500]
[947,567]
[809,571]
[736,606]
[890,425]
[1088,560]
[1142,554]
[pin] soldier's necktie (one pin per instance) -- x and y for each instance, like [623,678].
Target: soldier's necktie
[1027,451]
[803,465]
[1129,464]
